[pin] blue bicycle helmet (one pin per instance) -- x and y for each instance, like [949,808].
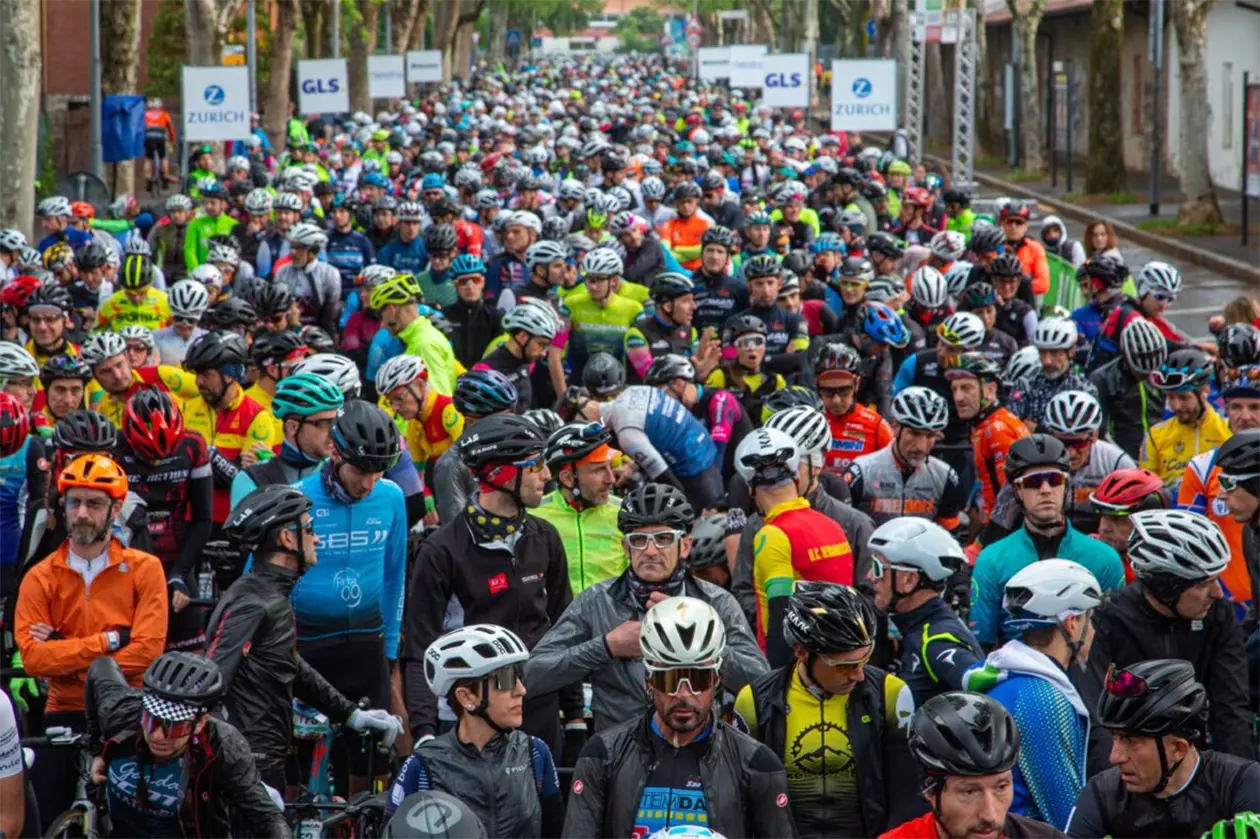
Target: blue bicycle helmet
[433,180]
[375,179]
[466,264]
[483,392]
[882,325]
[827,242]
[304,394]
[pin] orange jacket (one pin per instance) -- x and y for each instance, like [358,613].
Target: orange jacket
[130,593]
[990,438]
[1033,257]
[860,431]
[682,237]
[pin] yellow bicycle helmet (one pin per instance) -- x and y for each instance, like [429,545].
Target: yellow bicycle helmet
[398,289]
[58,255]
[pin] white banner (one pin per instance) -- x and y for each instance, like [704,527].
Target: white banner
[785,80]
[323,87]
[864,95]
[746,63]
[424,66]
[215,103]
[386,77]
[715,63]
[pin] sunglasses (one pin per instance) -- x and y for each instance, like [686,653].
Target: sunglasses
[469,279]
[1163,297]
[1229,483]
[170,730]
[847,666]
[829,392]
[505,679]
[532,465]
[662,539]
[46,319]
[750,342]
[1124,684]
[1037,480]
[1076,443]
[305,527]
[669,682]
[188,321]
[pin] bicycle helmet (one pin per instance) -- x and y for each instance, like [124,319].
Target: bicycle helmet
[137,271]
[470,652]
[258,202]
[682,632]
[399,289]
[666,368]
[603,375]
[1041,594]
[1036,451]
[64,367]
[1238,826]
[739,325]
[808,427]
[762,265]
[767,457]
[480,393]
[1006,265]
[956,277]
[152,424]
[440,237]
[180,686]
[920,408]
[685,190]
[12,240]
[231,313]
[837,357]
[852,220]
[316,339]
[188,299]
[602,262]
[1055,334]
[222,250]
[570,444]
[977,295]
[857,268]
[304,394]
[827,242]
[544,252]
[1158,277]
[433,815]
[217,350]
[102,346]
[885,244]
[670,286]
[717,235]
[1073,412]
[1128,491]
[466,265]
[49,297]
[545,420]
[487,199]
[965,734]
[337,369]
[288,201]
[1025,362]
[15,424]
[1239,457]
[500,439]
[59,256]
[1153,698]
[882,325]
[791,397]
[207,275]
[400,371]
[365,437]
[308,236]
[532,320]
[1184,370]
[277,348]
[986,239]
[264,511]
[1104,271]
[827,618]
[962,330]
[94,471]
[84,431]
[883,288]
[650,504]
[915,544]
[653,189]
[16,363]
[1176,543]
[948,245]
[272,299]
[975,366]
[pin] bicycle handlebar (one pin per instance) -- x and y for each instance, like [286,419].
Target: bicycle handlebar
[56,737]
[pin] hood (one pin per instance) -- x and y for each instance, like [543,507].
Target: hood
[1017,658]
[1054,221]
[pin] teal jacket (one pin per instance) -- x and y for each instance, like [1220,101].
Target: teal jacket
[592,540]
[1006,557]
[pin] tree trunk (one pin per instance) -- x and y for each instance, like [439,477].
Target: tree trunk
[983,93]
[938,98]
[445,21]
[496,30]
[898,41]
[361,40]
[1027,20]
[21,69]
[199,31]
[1198,201]
[120,42]
[462,55]
[762,24]
[417,32]
[404,12]
[281,63]
[1105,170]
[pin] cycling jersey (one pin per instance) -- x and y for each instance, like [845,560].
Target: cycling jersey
[157,816]
[171,379]
[1015,827]
[718,296]
[1171,445]
[591,538]
[883,488]
[11,758]
[937,648]
[515,370]
[317,290]
[201,229]
[505,272]
[172,347]
[598,328]
[357,587]
[438,426]
[43,356]
[239,425]
[994,431]
[1200,492]
[1032,395]
[159,119]
[1130,406]
[658,432]
[1033,257]
[752,389]
[683,238]
[118,311]
[650,337]
[23,483]
[349,253]
[673,793]
[858,432]
[785,331]
[422,338]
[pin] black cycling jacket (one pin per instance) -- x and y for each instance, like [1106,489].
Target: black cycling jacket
[1130,407]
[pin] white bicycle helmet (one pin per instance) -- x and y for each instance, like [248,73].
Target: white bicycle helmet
[767,457]
[929,288]
[571,190]
[237,163]
[1073,412]
[471,652]
[56,205]
[920,408]
[487,199]
[653,188]
[948,245]
[307,235]
[101,346]
[258,202]
[682,632]
[1045,592]
[337,369]
[375,273]
[1177,543]
[956,276]
[532,320]
[1023,364]
[963,330]
[1143,346]
[621,223]
[137,244]
[178,202]
[136,332]
[12,239]
[225,254]
[526,219]
[1158,276]
[188,299]
[16,363]
[914,544]
[1055,334]
[602,262]
[207,274]
[806,425]
[410,211]
[400,371]
[287,201]
[544,252]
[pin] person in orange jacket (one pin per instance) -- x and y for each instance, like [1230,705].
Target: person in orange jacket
[1030,252]
[974,386]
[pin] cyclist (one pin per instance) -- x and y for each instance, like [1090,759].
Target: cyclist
[1235,460]
[718,295]
[530,330]
[545,260]
[1015,316]
[431,420]
[19,374]
[929,304]
[55,215]
[64,379]
[743,370]
[903,478]
[974,389]
[1120,495]
[397,299]
[966,745]
[115,381]
[913,563]
[1047,608]
[708,560]
[1194,428]
[882,340]
[1160,783]
[598,315]
[1126,393]
[47,317]
[1176,610]
[980,299]
[717,409]
[213,220]
[1037,466]
[1055,340]
[1101,280]
[677,762]
[478,394]
[22,488]
[476,321]
[167,238]
[668,329]
[274,354]
[507,269]
[252,634]
[315,285]
[836,721]
[275,306]
[479,669]
[137,303]
[786,332]
[604,376]
[169,468]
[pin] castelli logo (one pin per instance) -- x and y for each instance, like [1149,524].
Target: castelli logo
[577,787]
[781,800]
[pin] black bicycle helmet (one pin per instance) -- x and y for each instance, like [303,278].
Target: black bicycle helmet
[64,367]
[858,268]
[214,349]
[962,733]
[1239,344]
[686,189]
[655,504]
[500,439]
[603,375]
[183,680]
[885,244]
[718,235]
[1240,455]
[570,443]
[763,265]
[1006,265]
[480,393]
[275,347]
[53,296]
[264,511]
[1035,451]
[555,228]
[1153,698]
[670,286]
[713,182]
[233,312]
[708,542]
[364,436]
[433,815]
[1110,269]
[90,257]
[317,340]
[84,431]
[136,272]
[666,368]
[976,295]
[827,618]
[986,238]
[791,397]
[836,356]
[957,195]
[737,325]
[975,365]
[271,299]
[1185,369]
[440,237]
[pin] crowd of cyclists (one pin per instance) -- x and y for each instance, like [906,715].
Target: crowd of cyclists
[624,458]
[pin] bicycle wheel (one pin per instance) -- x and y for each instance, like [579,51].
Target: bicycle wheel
[72,824]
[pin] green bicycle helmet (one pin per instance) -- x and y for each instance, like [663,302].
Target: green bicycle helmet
[303,394]
[1238,826]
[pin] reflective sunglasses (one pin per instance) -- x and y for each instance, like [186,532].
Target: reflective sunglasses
[750,342]
[847,666]
[1076,443]
[170,730]
[1037,480]
[662,539]
[669,682]
[1229,483]
[533,464]
[305,526]
[879,565]
[1124,684]
[504,679]
[1163,297]
[829,392]
[187,321]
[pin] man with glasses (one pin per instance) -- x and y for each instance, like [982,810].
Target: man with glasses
[1015,317]
[856,430]
[1031,254]
[679,763]
[476,321]
[275,354]
[507,269]
[837,722]
[1037,467]
[47,316]
[973,383]
[1185,379]
[596,640]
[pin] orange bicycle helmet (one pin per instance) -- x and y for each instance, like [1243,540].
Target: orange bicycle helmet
[94,471]
[82,209]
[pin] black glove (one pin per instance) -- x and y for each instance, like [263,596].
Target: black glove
[574,742]
[124,637]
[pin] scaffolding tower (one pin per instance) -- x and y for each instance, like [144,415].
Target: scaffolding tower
[965,52]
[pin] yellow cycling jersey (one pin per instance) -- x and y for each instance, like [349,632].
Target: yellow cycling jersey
[180,384]
[752,383]
[118,311]
[263,398]
[1171,445]
[435,430]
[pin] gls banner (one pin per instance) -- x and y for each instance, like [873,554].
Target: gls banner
[215,103]
[864,95]
[785,80]
[386,77]
[323,87]
[424,66]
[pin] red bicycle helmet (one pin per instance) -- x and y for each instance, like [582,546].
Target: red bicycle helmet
[152,425]
[1016,209]
[1129,491]
[15,424]
[919,197]
[19,291]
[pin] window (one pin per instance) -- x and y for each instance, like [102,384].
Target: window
[1227,105]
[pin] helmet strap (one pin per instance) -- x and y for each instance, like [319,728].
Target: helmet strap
[1165,771]
[1074,647]
[482,709]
